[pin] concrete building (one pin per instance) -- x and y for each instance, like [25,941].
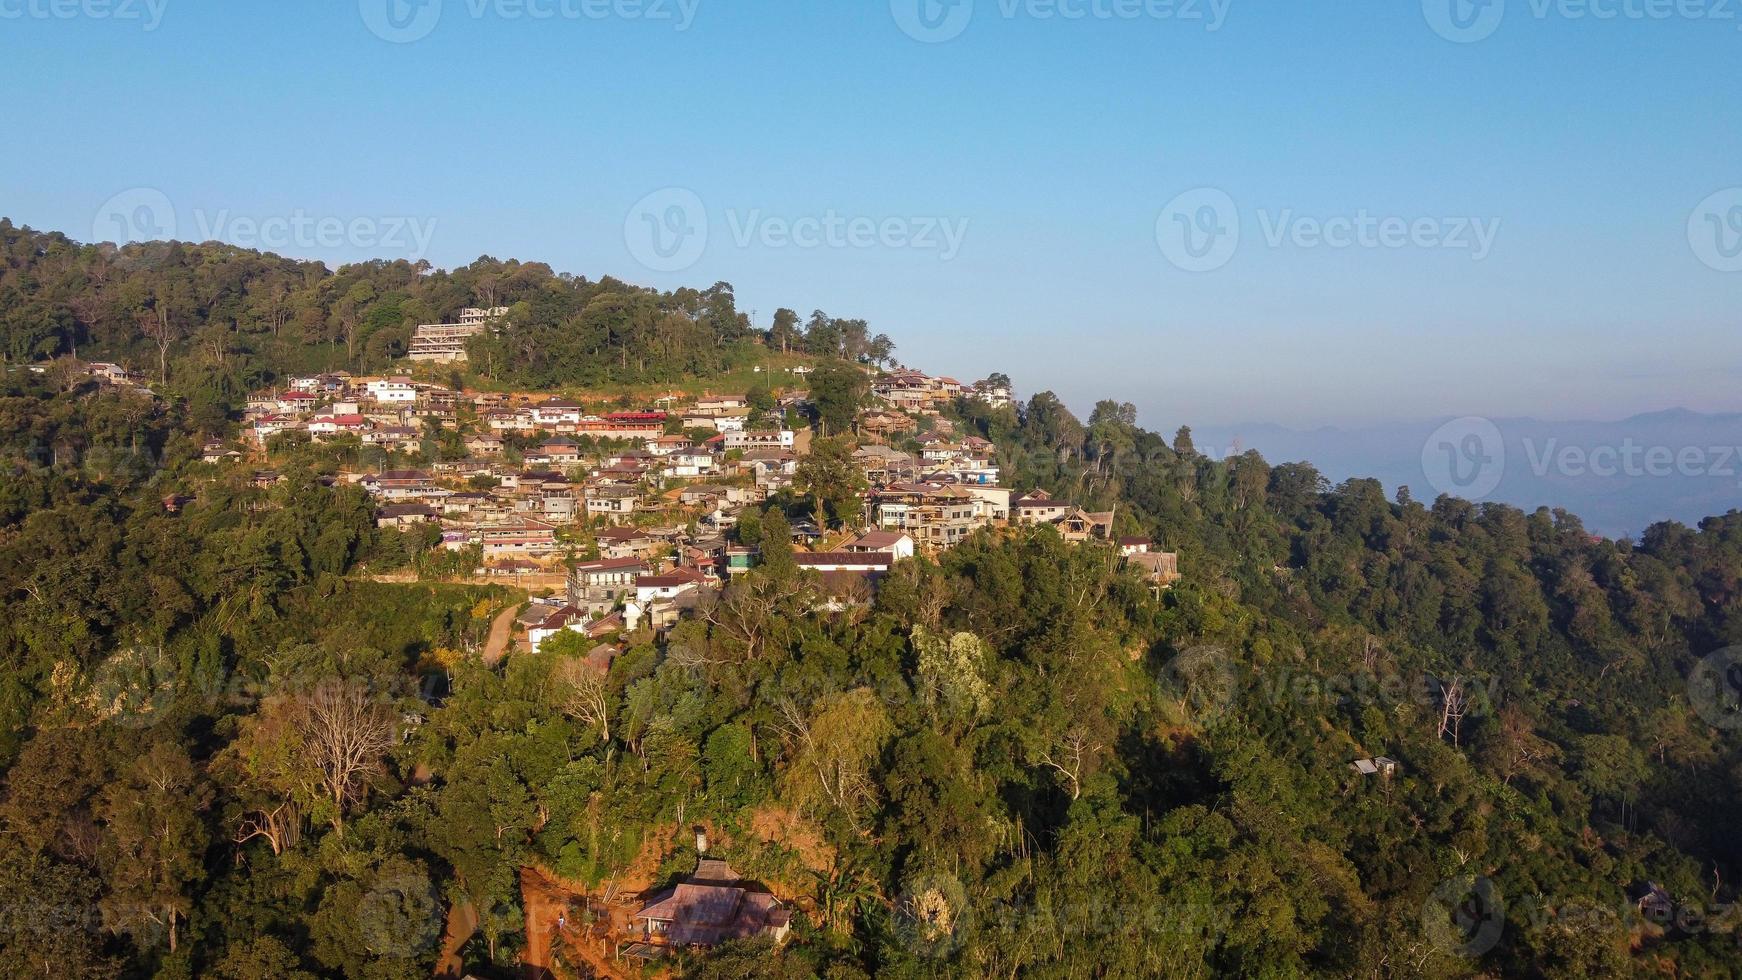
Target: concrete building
[445,343]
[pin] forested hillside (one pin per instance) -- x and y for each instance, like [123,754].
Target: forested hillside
[228,752]
[212,322]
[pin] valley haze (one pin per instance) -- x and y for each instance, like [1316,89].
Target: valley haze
[1619,477]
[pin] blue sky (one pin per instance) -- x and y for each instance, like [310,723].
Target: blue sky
[1056,146]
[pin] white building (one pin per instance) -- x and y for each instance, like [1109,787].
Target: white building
[759,439]
[556,411]
[668,586]
[391,390]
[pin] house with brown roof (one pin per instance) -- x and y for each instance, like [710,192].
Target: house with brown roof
[863,563]
[1081,525]
[626,542]
[555,411]
[400,484]
[555,452]
[515,538]
[1161,568]
[712,906]
[612,502]
[403,515]
[484,445]
[555,622]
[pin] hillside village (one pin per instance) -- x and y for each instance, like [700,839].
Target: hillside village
[617,519]
[626,517]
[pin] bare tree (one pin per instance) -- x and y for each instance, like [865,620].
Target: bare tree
[157,324]
[1454,703]
[1370,651]
[486,287]
[347,730]
[281,826]
[588,696]
[1069,757]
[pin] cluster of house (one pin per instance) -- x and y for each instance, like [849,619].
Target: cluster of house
[514,511]
[655,576]
[387,411]
[655,492]
[908,390]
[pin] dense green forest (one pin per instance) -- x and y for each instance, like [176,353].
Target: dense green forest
[1017,760]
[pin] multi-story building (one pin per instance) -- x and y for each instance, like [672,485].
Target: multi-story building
[936,516]
[604,582]
[446,342]
[613,503]
[523,537]
[616,428]
[760,439]
[556,411]
[398,391]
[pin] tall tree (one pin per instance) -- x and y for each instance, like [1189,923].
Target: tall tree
[833,480]
[158,842]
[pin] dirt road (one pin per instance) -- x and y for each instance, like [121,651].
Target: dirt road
[553,920]
[462,923]
[501,635]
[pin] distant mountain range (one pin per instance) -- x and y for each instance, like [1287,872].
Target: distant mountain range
[1619,477]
